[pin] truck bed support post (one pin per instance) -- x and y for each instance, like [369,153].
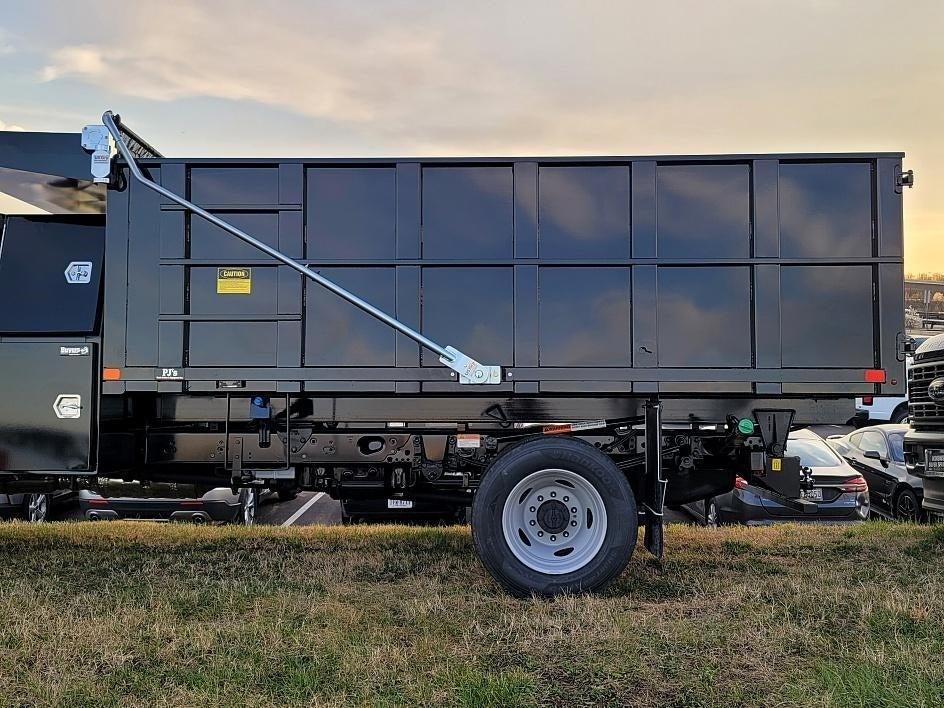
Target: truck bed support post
[654,483]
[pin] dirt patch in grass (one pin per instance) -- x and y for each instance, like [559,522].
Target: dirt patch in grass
[121,613]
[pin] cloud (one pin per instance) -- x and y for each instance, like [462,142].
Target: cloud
[10,126]
[325,71]
[525,78]
[86,62]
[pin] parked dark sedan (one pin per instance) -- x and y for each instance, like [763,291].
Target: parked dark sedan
[35,507]
[877,453]
[164,501]
[839,494]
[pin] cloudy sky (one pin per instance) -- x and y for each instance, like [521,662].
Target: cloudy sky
[202,78]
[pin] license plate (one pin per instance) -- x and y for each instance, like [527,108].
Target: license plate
[811,494]
[399,504]
[934,463]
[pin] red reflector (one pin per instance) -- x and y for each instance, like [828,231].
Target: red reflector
[98,501]
[111,374]
[875,375]
[740,482]
[867,400]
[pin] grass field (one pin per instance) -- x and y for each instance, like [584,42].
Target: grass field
[135,614]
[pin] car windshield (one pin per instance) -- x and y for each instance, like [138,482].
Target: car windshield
[896,446]
[812,453]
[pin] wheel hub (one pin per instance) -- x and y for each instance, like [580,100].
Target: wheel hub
[553,516]
[554,521]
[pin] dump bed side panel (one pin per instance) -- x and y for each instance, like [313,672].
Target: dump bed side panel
[769,276]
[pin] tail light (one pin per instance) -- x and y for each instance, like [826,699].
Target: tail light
[867,400]
[740,482]
[855,484]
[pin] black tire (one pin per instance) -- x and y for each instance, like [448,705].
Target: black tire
[712,514]
[906,506]
[900,414]
[580,459]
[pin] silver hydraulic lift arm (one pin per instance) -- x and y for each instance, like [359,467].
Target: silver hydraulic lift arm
[98,140]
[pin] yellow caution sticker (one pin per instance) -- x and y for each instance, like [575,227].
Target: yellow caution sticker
[234,281]
[775,464]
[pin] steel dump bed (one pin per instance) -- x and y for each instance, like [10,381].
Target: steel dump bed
[710,276]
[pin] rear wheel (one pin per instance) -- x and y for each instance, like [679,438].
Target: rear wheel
[712,518]
[36,508]
[900,414]
[554,515]
[248,504]
[906,505]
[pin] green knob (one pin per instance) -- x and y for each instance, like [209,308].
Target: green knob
[746,426]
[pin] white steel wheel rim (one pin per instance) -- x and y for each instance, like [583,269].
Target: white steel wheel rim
[711,516]
[38,507]
[249,508]
[554,521]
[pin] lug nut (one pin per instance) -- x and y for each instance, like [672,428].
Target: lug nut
[540,533]
[532,509]
[573,523]
[566,534]
[553,538]
[532,522]
[553,494]
[566,499]
[540,498]
[573,510]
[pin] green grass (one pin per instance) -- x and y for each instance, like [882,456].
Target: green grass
[121,614]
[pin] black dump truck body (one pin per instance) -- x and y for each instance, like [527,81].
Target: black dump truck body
[669,316]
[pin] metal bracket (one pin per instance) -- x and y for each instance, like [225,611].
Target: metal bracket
[96,138]
[469,370]
[904,179]
[904,346]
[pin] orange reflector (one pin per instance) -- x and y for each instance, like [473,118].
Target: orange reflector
[111,374]
[875,375]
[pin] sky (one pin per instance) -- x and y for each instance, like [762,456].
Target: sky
[400,77]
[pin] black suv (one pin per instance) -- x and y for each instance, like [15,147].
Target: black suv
[924,442]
